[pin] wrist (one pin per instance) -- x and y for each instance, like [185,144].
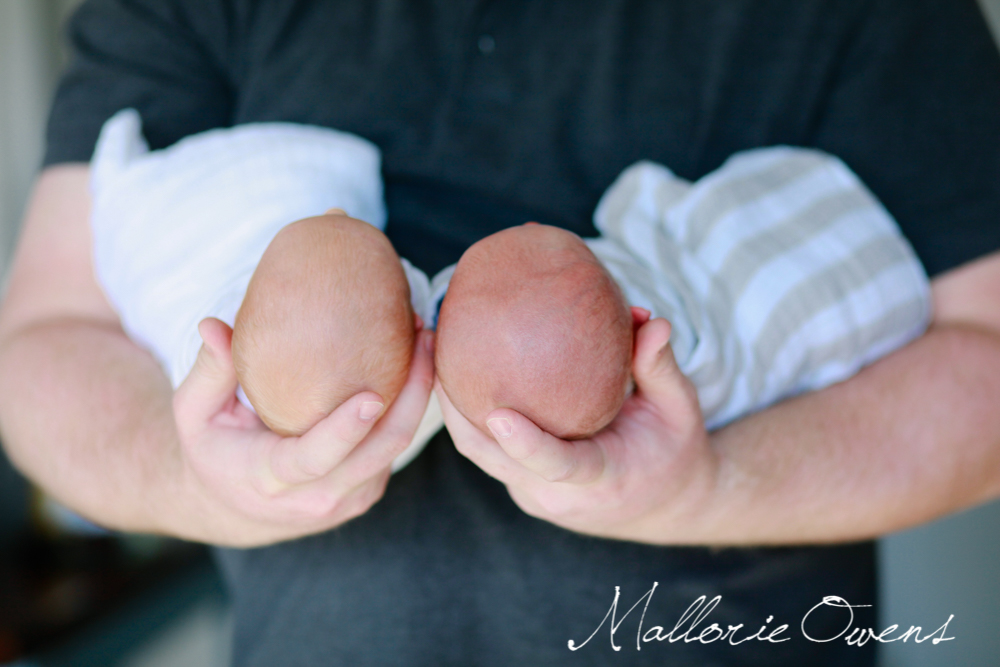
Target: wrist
[686,516]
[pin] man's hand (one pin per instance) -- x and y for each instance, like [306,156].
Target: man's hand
[910,438]
[88,416]
[654,455]
[257,487]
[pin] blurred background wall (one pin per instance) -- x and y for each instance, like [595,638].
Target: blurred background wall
[949,567]
[32,52]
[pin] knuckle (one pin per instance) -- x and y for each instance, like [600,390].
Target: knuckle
[528,504]
[362,501]
[463,447]
[541,505]
[311,466]
[396,438]
[334,506]
[355,510]
[274,471]
[521,449]
[272,489]
[374,490]
[558,473]
[178,405]
[551,505]
[325,506]
[380,485]
[269,487]
[177,401]
[532,510]
[550,508]
[419,385]
[562,505]
[345,442]
[190,449]
[425,382]
[309,470]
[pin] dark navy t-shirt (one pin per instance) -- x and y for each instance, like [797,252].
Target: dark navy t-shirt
[493,113]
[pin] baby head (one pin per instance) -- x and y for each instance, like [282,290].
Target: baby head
[533,322]
[326,315]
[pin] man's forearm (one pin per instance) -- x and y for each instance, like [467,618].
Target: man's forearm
[88,415]
[910,438]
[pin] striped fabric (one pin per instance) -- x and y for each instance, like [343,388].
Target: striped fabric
[780,273]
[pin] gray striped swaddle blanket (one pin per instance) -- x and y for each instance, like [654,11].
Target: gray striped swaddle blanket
[780,273]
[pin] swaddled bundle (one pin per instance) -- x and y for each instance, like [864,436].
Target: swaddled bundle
[180,232]
[779,272]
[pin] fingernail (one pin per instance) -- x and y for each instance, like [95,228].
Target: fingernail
[501,427]
[369,410]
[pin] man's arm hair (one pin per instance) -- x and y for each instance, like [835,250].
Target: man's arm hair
[92,418]
[83,411]
[912,437]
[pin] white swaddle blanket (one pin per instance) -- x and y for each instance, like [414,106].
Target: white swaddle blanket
[780,273]
[178,232]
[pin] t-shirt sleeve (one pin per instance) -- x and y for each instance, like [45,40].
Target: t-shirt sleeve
[919,90]
[167,58]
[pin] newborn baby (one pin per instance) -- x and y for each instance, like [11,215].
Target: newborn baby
[201,229]
[326,315]
[779,273]
[533,322]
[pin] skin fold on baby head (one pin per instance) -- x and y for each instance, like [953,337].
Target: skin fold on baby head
[533,322]
[326,315]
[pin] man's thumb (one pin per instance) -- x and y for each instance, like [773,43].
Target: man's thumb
[658,379]
[211,384]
